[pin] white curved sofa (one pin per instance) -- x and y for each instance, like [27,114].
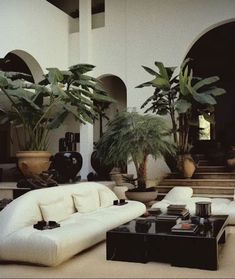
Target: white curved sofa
[19,241]
[183,195]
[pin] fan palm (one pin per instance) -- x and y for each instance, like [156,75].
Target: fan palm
[133,137]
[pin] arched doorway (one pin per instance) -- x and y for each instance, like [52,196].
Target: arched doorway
[116,89]
[16,61]
[213,55]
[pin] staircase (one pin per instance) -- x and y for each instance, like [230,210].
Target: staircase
[208,181]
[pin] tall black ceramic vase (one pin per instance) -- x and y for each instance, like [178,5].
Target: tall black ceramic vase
[67,164]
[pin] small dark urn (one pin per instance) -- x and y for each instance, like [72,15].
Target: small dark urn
[67,164]
[102,170]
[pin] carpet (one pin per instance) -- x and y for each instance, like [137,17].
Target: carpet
[92,264]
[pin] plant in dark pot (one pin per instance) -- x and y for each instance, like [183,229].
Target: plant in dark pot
[179,96]
[131,136]
[102,169]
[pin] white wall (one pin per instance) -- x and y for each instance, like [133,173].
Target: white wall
[136,32]
[36,27]
[139,32]
[40,29]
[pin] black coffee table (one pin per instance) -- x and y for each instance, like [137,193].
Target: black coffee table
[134,243]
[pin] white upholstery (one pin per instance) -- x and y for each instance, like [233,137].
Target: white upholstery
[178,195]
[19,241]
[87,200]
[56,211]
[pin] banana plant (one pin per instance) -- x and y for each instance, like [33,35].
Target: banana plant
[162,102]
[177,95]
[39,108]
[198,93]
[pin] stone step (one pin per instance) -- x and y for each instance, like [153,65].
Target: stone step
[197,182]
[212,169]
[199,190]
[162,195]
[205,175]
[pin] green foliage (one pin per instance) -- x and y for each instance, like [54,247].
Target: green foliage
[131,136]
[39,108]
[178,95]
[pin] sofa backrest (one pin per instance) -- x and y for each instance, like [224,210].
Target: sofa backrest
[25,210]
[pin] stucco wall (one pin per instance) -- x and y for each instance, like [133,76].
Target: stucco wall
[136,32]
[36,27]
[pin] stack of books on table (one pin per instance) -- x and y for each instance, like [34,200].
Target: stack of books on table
[166,217]
[178,210]
[185,228]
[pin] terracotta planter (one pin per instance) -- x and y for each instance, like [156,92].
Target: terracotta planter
[186,165]
[33,162]
[144,197]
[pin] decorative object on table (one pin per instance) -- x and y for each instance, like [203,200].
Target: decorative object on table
[203,209]
[178,209]
[131,136]
[44,179]
[154,211]
[43,225]
[120,202]
[180,96]
[36,109]
[142,225]
[67,162]
[185,228]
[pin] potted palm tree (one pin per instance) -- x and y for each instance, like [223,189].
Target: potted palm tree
[131,136]
[35,109]
[177,96]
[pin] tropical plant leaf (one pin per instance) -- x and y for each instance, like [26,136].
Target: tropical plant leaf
[150,71]
[204,98]
[54,75]
[182,105]
[58,119]
[205,81]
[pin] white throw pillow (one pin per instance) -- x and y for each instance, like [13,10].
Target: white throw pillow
[55,211]
[179,194]
[106,197]
[86,201]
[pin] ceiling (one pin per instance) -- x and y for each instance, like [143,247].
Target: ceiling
[71,7]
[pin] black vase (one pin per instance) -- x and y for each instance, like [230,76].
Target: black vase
[67,164]
[100,168]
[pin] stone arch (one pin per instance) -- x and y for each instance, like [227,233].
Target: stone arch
[116,89]
[29,64]
[206,30]
[213,55]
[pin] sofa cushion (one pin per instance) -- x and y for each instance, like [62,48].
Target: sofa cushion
[106,197]
[54,211]
[179,194]
[86,201]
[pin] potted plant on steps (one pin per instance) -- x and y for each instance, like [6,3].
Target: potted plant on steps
[178,96]
[131,136]
[35,109]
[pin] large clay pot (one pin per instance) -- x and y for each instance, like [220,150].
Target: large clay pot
[144,197]
[186,165]
[33,163]
[67,164]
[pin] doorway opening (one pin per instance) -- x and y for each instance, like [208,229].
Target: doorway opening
[213,55]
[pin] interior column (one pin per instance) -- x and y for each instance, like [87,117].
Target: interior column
[86,131]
